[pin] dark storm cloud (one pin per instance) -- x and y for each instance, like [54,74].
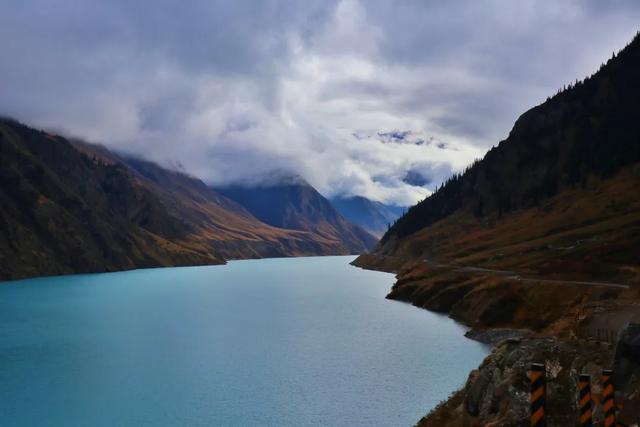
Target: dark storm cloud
[234,90]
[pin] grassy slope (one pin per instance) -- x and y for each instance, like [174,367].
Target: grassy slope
[580,234]
[586,233]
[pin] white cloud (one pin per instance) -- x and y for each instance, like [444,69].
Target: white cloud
[235,90]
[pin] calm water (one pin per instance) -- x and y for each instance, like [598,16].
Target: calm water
[277,342]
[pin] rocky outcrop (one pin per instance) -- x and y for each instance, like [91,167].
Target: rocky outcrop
[626,373]
[495,336]
[627,358]
[497,393]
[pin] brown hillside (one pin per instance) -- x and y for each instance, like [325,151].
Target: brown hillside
[70,207]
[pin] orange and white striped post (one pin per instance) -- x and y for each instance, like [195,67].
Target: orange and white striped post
[538,395]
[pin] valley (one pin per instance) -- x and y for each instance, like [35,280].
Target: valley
[73,207]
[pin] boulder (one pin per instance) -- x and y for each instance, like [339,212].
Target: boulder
[627,357]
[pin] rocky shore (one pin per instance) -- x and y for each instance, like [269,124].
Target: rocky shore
[572,328]
[495,336]
[497,393]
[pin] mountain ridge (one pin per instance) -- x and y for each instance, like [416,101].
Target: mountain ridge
[375,217]
[70,207]
[296,205]
[587,131]
[541,235]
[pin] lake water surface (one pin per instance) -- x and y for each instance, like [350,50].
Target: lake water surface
[274,342]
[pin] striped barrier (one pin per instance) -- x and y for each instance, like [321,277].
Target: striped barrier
[538,395]
[584,400]
[608,402]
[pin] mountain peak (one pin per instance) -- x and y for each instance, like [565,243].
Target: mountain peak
[294,204]
[275,178]
[373,216]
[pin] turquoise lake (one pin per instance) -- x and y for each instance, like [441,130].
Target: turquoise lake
[273,342]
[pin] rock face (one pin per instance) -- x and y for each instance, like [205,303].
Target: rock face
[497,335]
[497,393]
[627,358]
[626,372]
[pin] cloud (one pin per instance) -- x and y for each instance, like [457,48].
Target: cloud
[352,95]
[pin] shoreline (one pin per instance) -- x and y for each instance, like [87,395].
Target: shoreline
[185,265]
[501,312]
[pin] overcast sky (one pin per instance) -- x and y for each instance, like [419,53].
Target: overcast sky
[376,98]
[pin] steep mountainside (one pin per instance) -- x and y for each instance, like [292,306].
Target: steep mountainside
[62,212]
[375,217]
[294,204]
[68,207]
[568,148]
[541,234]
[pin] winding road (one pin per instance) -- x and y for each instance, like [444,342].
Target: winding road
[514,275]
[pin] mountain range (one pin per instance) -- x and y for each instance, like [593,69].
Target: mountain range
[373,216]
[67,206]
[291,203]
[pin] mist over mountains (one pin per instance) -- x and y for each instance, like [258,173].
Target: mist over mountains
[231,91]
[565,177]
[70,207]
[373,216]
